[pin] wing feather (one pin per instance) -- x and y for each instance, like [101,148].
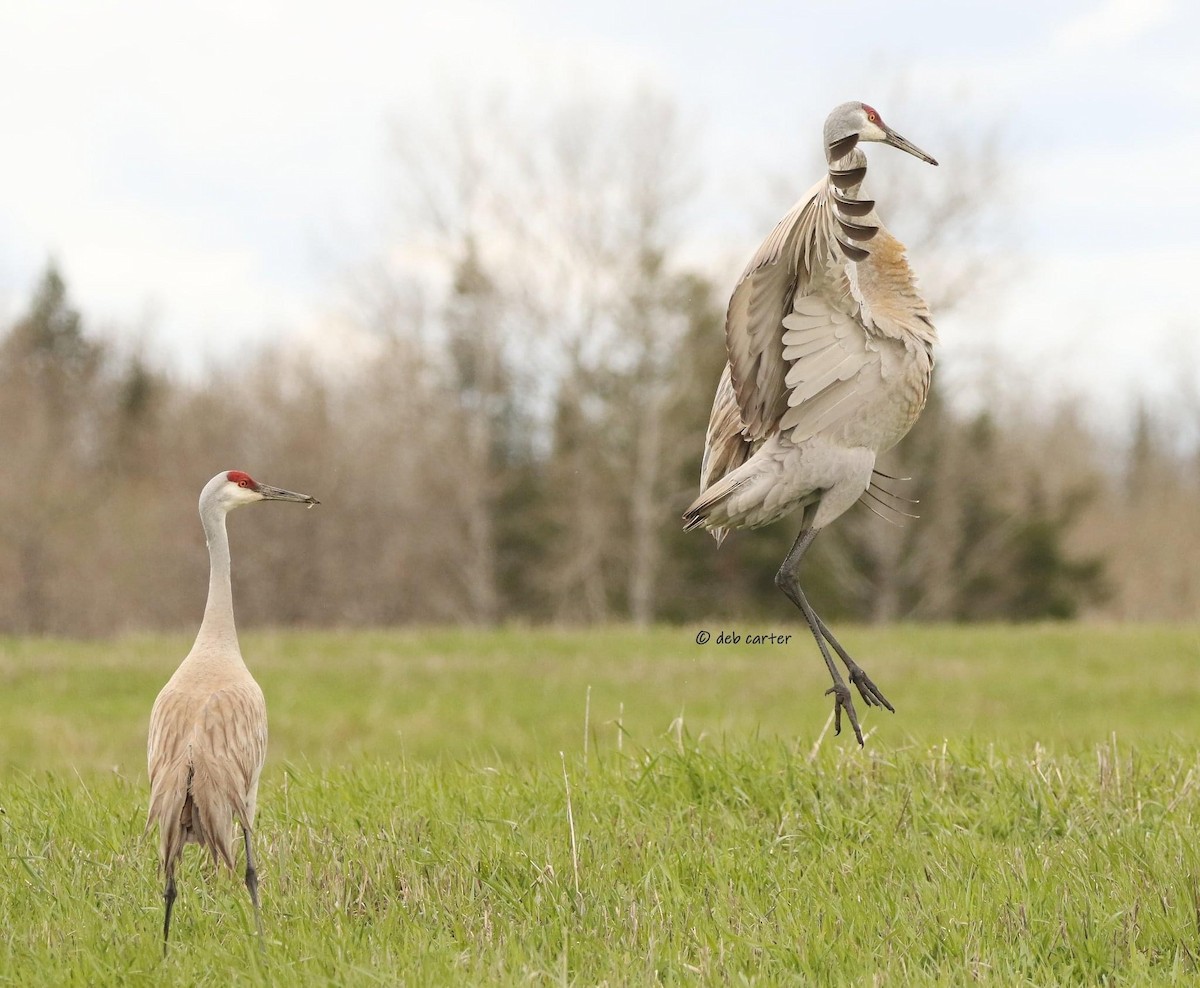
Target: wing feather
[823,339]
[762,298]
[794,303]
[831,381]
[802,348]
[725,447]
[234,725]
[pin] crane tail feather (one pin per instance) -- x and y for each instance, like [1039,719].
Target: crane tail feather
[191,807]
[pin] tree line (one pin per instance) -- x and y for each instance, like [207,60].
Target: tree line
[519,432]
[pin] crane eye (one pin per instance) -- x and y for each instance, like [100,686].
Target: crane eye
[242,483]
[872,116]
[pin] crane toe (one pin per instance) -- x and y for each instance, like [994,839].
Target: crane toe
[843,701]
[868,690]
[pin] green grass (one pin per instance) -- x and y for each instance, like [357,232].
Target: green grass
[1029,816]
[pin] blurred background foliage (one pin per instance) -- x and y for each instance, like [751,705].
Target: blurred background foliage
[508,421]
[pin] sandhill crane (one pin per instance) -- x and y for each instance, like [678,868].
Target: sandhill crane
[830,352]
[208,727]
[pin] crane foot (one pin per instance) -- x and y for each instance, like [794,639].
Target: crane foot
[868,690]
[842,701]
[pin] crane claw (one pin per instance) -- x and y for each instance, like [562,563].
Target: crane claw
[842,701]
[868,690]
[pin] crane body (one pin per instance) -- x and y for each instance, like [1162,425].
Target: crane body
[208,727]
[830,358]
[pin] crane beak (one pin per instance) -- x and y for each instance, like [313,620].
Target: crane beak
[278,494]
[896,141]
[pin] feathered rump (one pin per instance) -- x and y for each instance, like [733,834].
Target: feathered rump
[170,804]
[698,513]
[212,806]
[191,806]
[204,778]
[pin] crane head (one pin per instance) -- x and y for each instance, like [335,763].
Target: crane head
[233,488]
[853,122]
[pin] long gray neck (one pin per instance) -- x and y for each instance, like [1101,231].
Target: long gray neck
[218,627]
[855,215]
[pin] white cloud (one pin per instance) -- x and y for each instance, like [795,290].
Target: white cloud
[208,168]
[201,164]
[1103,326]
[1112,22]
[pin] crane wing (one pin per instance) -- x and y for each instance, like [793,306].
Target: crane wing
[801,356]
[834,368]
[725,445]
[233,726]
[761,299]
[165,746]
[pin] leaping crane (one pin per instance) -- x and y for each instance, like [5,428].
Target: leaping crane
[830,355]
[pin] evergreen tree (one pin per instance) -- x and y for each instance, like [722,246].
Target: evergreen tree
[51,429]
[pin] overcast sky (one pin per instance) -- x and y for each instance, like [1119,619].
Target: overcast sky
[204,176]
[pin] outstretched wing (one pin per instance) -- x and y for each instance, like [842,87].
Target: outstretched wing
[834,368]
[800,356]
[725,445]
[762,298]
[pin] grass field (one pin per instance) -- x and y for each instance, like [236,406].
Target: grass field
[622,807]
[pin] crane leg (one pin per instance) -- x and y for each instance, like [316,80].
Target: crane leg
[788,581]
[252,885]
[169,900]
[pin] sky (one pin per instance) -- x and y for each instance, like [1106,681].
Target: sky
[206,175]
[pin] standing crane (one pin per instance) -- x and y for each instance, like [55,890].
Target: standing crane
[830,354]
[208,727]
